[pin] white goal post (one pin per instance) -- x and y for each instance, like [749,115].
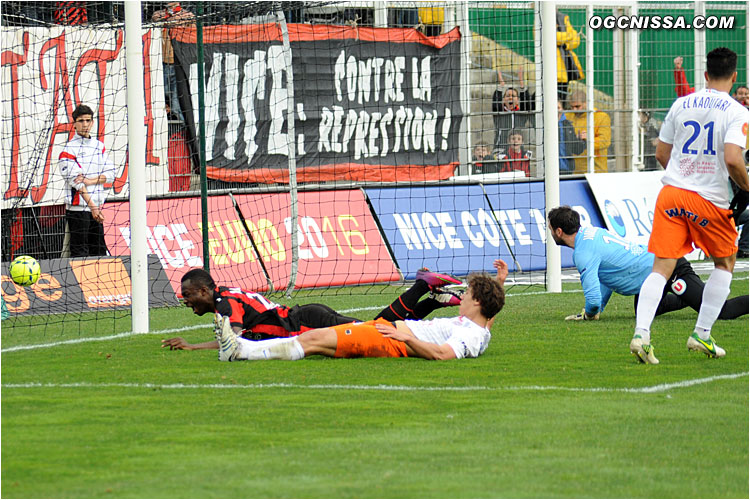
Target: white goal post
[137,167]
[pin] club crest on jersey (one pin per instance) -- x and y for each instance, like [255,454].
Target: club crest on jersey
[687,167]
[679,286]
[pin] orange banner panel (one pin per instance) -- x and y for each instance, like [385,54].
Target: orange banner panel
[104,282]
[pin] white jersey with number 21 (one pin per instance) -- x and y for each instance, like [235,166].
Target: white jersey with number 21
[697,126]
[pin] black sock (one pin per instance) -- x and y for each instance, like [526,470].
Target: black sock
[425,307]
[403,306]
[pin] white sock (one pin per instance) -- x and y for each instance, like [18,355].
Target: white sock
[714,295]
[648,301]
[284,348]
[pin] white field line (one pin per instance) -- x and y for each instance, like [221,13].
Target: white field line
[397,388]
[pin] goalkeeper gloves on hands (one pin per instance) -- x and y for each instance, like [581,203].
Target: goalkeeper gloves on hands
[738,204]
[582,316]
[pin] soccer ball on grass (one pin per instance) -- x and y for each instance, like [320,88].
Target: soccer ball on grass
[24,270]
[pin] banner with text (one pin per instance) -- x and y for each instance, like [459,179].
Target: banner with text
[460,229]
[339,241]
[46,73]
[626,201]
[89,284]
[371,104]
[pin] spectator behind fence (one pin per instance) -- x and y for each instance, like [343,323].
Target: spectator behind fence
[85,166]
[568,66]
[681,86]
[742,95]
[484,160]
[602,133]
[650,135]
[512,108]
[515,157]
[174,15]
[569,145]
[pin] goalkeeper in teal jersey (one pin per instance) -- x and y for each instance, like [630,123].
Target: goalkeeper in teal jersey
[608,263]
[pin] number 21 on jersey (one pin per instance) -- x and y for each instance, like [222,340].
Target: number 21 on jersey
[697,129]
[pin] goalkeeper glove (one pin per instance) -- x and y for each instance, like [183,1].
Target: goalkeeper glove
[738,204]
[582,316]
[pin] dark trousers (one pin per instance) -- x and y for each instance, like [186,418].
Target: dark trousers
[685,289]
[742,220]
[86,234]
[270,324]
[319,316]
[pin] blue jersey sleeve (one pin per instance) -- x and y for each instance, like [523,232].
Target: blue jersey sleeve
[587,261]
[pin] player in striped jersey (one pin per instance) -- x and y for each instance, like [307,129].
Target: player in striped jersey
[250,314]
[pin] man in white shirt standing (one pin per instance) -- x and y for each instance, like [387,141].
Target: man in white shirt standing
[86,168]
[465,336]
[700,144]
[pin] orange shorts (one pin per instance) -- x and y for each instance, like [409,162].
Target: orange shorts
[363,340]
[683,217]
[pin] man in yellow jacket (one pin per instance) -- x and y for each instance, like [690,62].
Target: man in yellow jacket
[602,133]
[568,66]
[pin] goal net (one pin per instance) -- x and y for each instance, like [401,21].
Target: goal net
[295,147]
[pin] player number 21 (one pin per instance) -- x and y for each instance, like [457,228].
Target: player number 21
[696,132]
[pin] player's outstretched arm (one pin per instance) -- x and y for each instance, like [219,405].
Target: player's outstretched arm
[502,270]
[180,344]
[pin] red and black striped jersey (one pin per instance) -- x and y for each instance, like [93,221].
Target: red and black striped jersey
[254,312]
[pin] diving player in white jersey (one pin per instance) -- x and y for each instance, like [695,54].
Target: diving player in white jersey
[700,145]
[465,336]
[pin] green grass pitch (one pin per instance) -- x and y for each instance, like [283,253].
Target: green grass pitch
[552,409]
